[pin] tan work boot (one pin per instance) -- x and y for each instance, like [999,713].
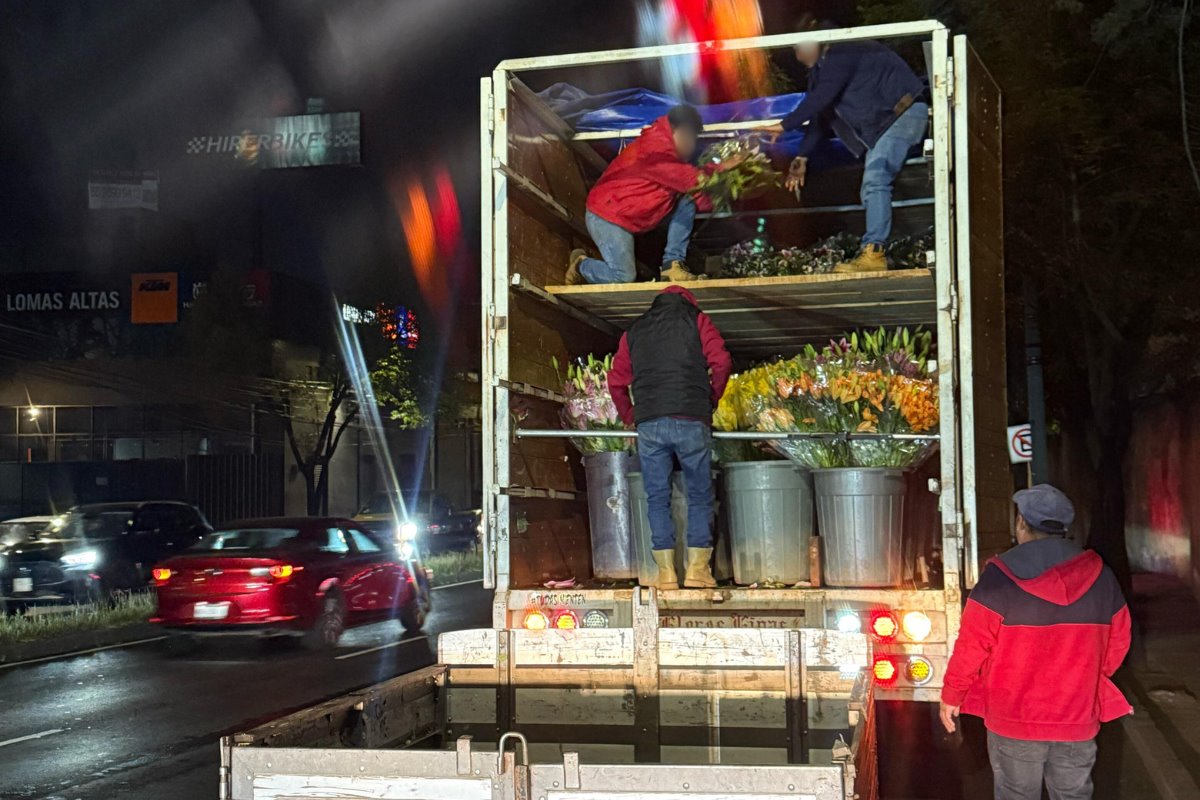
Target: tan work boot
[699,573]
[870,259]
[677,273]
[574,276]
[667,579]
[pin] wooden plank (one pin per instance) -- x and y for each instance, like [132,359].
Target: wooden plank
[584,647]
[768,316]
[556,125]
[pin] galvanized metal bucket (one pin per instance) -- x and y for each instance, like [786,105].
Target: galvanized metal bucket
[860,516]
[610,514]
[770,512]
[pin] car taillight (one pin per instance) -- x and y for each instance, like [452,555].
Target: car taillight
[916,625]
[160,574]
[566,620]
[884,670]
[282,572]
[535,621]
[884,626]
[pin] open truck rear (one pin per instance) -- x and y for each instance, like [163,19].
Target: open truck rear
[673,693]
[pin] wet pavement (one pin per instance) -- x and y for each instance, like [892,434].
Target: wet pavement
[139,723]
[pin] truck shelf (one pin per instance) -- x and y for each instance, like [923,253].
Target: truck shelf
[763,317]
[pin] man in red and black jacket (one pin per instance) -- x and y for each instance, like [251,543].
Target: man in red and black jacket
[651,180]
[1042,633]
[674,360]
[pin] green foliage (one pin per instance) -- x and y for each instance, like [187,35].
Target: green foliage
[399,389]
[753,175]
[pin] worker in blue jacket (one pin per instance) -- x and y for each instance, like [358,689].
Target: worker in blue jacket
[870,98]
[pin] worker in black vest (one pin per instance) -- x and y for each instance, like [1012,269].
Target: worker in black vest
[675,361]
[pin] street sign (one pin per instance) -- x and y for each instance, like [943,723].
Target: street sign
[1020,443]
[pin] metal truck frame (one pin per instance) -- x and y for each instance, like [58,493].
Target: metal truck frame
[972,485]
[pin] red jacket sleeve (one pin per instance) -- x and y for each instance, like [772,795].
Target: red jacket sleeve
[719,362]
[1118,641]
[620,378]
[976,638]
[670,172]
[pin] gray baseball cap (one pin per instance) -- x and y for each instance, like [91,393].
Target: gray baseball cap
[1045,508]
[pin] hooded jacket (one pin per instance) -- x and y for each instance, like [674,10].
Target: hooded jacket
[674,360]
[1042,633]
[642,184]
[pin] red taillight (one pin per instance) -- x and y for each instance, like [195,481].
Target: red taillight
[566,620]
[884,626]
[282,572]
[884,670]
[160,574]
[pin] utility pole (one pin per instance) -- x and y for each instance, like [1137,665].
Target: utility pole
[1035,383]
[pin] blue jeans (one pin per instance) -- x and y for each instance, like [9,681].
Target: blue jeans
[660,441]
[616,245]
[1020,766]
[883,164]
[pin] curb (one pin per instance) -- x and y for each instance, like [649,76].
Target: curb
[73,642]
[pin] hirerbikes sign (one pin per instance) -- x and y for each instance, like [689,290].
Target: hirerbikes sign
[305,140]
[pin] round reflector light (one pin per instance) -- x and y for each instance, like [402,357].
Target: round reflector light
[884,670]
[917,625]
[884,626]
[849,623]
[919,670]
[566,620]
[535,621]
[595,619]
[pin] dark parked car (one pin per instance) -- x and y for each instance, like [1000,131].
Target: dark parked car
[432,522]
[96,550]
[310,577]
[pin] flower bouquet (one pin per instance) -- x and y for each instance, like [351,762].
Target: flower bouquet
[736,412]
[873,383]
[752,175]
[588,405]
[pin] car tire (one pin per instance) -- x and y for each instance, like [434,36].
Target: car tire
[413,616]
[329,625]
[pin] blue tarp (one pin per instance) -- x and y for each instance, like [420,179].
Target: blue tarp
[636,108]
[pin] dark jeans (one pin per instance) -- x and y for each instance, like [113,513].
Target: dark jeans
[1019,767]
[660,441]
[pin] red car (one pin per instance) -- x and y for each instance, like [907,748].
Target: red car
[309,577]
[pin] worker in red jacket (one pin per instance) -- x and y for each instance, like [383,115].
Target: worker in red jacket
[674,360]
[1042,633]
[650,180]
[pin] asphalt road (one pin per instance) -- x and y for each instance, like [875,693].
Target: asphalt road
[137,723]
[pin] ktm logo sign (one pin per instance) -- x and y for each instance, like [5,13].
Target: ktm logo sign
[155,298]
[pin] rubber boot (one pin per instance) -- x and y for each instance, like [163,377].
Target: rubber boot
[870,259]
[699,573]
[667,579]
[675,272]
[574,276]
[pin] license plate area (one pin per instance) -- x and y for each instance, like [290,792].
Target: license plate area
[22,584]
[210,610]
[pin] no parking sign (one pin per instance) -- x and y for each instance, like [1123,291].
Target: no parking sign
[1020,443]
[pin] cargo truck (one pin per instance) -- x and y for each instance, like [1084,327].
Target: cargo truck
[621,691]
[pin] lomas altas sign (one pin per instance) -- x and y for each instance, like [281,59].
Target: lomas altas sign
[77,300]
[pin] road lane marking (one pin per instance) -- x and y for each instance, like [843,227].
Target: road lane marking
[31,736]
[82,652]
[460,583]
[358,653]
